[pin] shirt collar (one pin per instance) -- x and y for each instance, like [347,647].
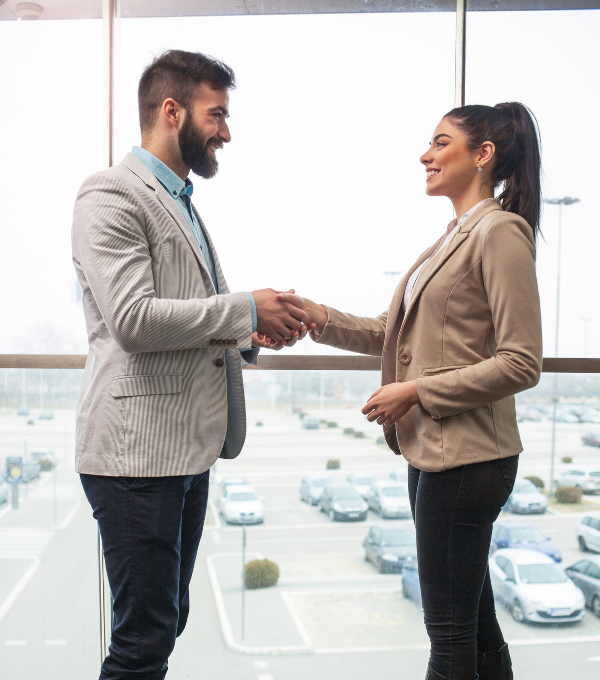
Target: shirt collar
[463,219]
[170,181]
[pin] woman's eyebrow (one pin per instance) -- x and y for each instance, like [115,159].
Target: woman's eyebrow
[442,134]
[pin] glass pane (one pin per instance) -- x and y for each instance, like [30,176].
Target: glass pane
[51,141]
[321,187]
[49,617]
[561,88]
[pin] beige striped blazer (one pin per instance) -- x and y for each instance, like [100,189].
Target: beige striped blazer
[162,390]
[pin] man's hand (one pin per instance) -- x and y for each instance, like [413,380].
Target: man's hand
[317,313]
[278,319]
[391,402]
[263,341]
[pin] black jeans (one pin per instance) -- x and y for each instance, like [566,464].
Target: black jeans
[453,512]
[151,529]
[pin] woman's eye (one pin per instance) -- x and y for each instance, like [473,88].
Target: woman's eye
[438,144]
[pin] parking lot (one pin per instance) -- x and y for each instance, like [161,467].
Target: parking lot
[331,615]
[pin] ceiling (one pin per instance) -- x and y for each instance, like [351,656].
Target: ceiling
[92,9]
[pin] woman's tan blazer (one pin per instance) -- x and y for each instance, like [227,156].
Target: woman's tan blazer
[471,338]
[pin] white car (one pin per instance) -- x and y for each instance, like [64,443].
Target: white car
[534,588]
[239,504]
[588,531]
[586,479]
[3,489]
[389,499]
[361,481]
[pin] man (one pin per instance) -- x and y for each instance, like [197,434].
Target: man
[162,395]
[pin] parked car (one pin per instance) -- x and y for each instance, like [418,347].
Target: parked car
[44,458]
[342,501]
[411,586]
[585,574]
[310,423]
[586,479]
[3,489]
[534,588]
[588,531]
[311,488]
[389,499]
[23,410]
[361,482]
[526,498]
[566,417]
[30,470]
[591,439]
[45,414]
[399,476]
[388,546]
[239,504]
[230,481]
[520,535]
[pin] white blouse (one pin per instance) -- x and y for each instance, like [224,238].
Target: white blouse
[451,230]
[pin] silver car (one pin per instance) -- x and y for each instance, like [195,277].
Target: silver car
[526,498]
[389,499]
[534,588]
[586,479]
[588,531]
[361,481]
[239,504]
[311,488]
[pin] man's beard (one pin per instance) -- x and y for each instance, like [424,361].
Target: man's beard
[194,150]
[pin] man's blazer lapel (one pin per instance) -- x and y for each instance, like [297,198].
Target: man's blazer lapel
[138,168]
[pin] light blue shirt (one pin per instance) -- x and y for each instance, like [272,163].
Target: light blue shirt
[177,189]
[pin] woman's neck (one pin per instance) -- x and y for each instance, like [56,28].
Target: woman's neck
[469,199]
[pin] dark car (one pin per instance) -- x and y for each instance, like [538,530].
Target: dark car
[591,439]
[342,501]
[411,586]
[388,546]
[585,574]
[521,535]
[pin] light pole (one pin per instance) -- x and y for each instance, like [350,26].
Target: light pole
[567,200]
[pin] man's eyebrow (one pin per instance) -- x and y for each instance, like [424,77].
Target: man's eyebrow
[442,134]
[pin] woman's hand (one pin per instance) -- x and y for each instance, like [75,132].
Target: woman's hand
[316,312]
[265,342]
[391,402]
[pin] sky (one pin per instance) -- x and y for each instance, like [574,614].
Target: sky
[321,187]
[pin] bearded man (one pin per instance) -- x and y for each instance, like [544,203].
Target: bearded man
[162,395]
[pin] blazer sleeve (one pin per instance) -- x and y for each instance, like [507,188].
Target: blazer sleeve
[508,269]
[111,250]
[360,334]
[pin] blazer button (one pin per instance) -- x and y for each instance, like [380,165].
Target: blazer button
[405,358]
[227,342]
[219,342]
[213,342]
[219,363]
[234,342]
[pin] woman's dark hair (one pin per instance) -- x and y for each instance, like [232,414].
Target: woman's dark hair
[176,74]
[514,131]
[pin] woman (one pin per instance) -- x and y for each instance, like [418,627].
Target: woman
[460,338]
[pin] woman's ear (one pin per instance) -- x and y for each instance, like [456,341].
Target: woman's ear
[486,153]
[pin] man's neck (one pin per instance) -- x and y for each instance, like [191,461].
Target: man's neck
[169,156]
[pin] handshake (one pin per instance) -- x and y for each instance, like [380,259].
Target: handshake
[283,318]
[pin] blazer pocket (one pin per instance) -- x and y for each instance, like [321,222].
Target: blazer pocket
[443,369]
[140,385]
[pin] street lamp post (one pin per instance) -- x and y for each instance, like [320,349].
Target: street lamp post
[567,200]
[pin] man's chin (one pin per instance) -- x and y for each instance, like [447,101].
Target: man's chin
[206,172]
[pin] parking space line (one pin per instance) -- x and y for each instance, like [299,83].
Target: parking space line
[55,643]
[594,658]
[297,620]
[261,665]
[15,643]
[215,514]
[265,676]
[67,520]
[18,589]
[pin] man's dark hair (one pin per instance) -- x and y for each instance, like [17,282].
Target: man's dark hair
[176,74]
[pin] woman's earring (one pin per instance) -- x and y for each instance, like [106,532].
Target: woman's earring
[479,169]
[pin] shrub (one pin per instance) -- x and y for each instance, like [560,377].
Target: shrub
[261,574]
[259,423]
[333,464]
[46,464]
[536,481]
[380,440]
[31,422]
[359,435]
[566,459]
[568,494]
[323,421]
[348,430]
[331,424]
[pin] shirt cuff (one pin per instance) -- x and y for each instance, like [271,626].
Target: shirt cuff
[253,311]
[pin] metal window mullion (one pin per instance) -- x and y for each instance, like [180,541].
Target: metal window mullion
[460,52]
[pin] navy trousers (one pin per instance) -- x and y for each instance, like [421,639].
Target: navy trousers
[151,528]
[454,512]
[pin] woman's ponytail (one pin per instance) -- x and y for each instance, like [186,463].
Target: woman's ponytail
[513,130]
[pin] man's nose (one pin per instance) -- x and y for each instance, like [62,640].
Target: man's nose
[224,133]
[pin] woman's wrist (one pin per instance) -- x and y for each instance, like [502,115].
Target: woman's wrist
[317,313]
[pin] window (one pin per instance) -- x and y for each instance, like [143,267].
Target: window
[581,567]
[593,571]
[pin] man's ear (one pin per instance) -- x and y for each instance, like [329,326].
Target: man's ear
[172,112]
